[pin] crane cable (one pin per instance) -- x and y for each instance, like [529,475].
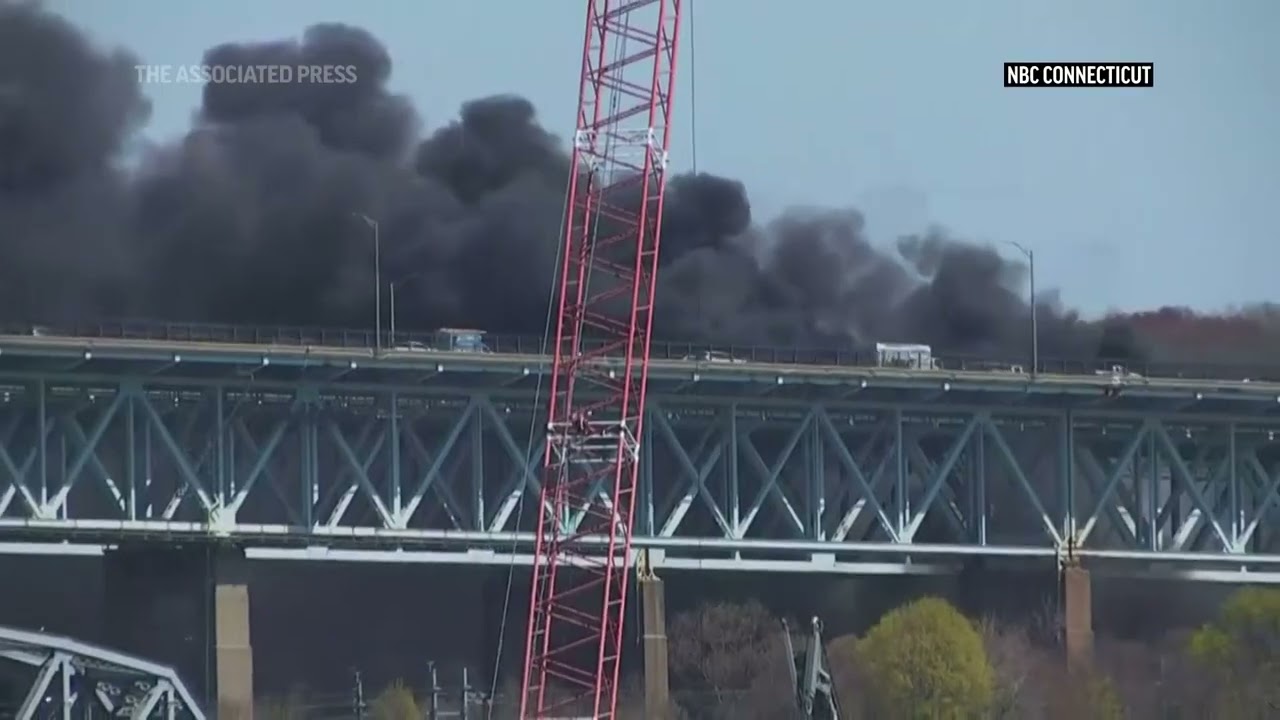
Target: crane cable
[537,397]
[693,92]
[644,568]
[524,472]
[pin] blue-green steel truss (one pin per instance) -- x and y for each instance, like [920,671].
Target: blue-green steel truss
[434,458]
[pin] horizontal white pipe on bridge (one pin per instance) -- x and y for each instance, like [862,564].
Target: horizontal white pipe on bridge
[477,540]
[313,554]
[145,529]
[490,558]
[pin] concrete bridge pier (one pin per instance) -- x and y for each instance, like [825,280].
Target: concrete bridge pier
[233,651]
[1077,614]
[657,683]
[187,606]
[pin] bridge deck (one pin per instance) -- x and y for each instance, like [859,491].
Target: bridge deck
[197,363]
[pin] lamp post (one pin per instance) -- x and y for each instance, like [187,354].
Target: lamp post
[391,308]
[377,279]
[1035,325]
[393,313]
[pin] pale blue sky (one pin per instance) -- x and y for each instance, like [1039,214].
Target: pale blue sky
[1131,198]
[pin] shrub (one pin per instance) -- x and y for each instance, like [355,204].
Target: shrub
[396,702]
[926,660]
[1241,650]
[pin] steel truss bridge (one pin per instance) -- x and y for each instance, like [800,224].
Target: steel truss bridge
[347,453]
[68,678]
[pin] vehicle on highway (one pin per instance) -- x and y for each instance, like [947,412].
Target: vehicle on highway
[911,356]
[713,356]
[885,355]
[1118,373]
[458,340]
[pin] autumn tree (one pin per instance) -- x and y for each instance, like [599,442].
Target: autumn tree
[925,660]
[1241,650]
[849,677]
[1018,668]
[729,661]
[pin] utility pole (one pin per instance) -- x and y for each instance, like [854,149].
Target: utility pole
[357,698]
[464,710]
[433,702]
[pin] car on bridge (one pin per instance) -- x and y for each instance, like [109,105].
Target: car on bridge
[412,346]
[1119,373]
[713,356]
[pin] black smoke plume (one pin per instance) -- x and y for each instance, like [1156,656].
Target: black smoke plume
[252,217]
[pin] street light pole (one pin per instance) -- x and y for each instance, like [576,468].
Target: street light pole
[393,313]
[1035,325]
[392,285]
[377,279]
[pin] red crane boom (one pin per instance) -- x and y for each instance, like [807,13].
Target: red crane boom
[608,270]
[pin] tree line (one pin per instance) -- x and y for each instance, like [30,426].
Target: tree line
[925,660]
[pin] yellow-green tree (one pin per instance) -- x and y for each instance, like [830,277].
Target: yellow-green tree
[396,702]
[925,660]
[1241,650]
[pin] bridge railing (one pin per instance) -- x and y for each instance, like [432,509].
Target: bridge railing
[529,345]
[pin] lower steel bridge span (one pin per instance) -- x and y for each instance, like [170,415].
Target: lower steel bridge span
[434,457]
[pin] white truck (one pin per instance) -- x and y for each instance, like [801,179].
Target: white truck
[461,340]
[906,355]
[449,340]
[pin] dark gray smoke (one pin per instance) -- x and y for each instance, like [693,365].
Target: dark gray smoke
[249,218]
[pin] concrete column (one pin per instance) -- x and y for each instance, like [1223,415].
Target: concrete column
[233,652]
[657,686]
[1077,603]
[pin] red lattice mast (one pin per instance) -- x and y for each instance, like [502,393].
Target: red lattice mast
[600,372]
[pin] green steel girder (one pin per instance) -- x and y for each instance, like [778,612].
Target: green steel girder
[756,481]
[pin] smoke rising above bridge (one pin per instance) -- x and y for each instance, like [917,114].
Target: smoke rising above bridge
[247,217]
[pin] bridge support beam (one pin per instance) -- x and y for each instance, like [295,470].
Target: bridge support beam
[187,607]
[1077,604]
[657,686]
